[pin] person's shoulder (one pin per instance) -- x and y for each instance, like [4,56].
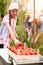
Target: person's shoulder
[6,16]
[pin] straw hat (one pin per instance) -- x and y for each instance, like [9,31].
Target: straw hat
[13,6]
[30,20]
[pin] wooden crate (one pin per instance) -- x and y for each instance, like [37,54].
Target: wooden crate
[24,58]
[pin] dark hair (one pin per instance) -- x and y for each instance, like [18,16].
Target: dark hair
[9,22]
[9,18]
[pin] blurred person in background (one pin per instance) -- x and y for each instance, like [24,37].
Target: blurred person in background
[28,26]
[41,21]
[39,26]
[7,29]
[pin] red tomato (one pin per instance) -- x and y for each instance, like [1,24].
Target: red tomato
[18,51]
[15,51]
[24,48]
[9,48]
[22,52]
[19,44]
[27,53]
[32,52]
[12,48]
[35,52]
[16,37]
[28,49]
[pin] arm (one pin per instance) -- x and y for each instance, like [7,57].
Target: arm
[15,34]
[27,29]
[17,42]
[11,33]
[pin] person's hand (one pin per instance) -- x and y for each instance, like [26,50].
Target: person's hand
[18,43]
[16,37]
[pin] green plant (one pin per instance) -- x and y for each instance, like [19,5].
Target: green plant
[2,7]
[39,45]
[22,36]
[12,43]
[21,18]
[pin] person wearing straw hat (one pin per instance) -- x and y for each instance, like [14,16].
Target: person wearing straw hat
[7,29]
[28,23]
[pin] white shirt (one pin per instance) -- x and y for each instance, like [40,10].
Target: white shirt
[3,30]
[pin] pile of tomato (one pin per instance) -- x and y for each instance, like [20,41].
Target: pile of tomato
[23,50]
